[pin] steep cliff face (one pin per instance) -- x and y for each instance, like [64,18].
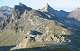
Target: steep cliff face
[33,26]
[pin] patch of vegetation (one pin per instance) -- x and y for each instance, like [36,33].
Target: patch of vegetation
[7,38]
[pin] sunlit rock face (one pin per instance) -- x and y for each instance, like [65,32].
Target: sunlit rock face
[35,27]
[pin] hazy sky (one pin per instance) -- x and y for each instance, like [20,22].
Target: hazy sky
[66,5]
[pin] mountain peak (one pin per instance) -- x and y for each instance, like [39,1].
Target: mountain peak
[21,8]
[47,8]
[5,8]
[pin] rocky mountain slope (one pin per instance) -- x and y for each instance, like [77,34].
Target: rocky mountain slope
[37,27]
[43,27]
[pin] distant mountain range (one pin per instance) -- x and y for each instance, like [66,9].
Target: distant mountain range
[75,14]
[5,14]
[6,10]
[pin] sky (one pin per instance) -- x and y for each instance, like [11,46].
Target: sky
[66,5]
